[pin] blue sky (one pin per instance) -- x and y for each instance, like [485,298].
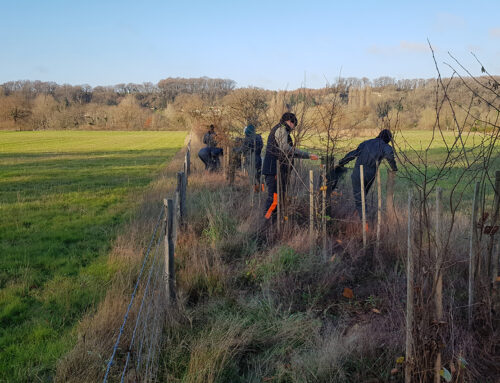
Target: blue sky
[269,44]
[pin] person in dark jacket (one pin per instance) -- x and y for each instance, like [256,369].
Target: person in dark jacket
[280,149]
[210,154]
[369,154]
[251,149]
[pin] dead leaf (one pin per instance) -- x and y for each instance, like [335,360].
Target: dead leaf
[376,311]
[332,259]
[394,371]
[348,293]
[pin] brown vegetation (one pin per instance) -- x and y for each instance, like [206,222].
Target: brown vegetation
[177,103]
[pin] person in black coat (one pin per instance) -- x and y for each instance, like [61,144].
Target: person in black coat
[369,154]
[252,146]
[280,148]
[210,154]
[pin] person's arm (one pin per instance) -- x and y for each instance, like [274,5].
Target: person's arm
[389,156]
[349,157]
[281,136]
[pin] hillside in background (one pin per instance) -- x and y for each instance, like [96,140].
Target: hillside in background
[180,103]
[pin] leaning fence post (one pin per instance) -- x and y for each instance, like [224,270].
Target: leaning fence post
[311,207]
[472,244]
[363,206]
[169,251]
[379,211]
[438,280]
[409,298]
[389,203]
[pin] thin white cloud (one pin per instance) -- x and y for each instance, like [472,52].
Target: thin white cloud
[408,46]
[494,33]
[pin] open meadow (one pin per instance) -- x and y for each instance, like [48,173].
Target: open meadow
[64,195]
[420,154]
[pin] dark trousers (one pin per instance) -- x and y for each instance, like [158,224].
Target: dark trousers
[369,177]
[210,157]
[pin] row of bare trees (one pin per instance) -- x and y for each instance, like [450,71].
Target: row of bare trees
[176,103]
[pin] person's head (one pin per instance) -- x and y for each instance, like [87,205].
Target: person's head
[250,130]
[211,128]
[289,119]
[385,135]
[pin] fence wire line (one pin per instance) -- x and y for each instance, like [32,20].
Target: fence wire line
[146,320]
[141,306]
[115,348]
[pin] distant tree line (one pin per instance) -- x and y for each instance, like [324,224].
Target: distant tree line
[181,103]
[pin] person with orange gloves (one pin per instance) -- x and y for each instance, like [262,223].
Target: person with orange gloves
[280,149]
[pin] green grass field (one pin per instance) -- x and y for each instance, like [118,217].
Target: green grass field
[64,196]
[414,143]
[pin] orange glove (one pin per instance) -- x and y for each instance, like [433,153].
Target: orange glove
[314,157]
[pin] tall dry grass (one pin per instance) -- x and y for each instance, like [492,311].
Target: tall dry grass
[260,305]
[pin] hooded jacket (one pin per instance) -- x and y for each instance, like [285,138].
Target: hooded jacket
[280,147]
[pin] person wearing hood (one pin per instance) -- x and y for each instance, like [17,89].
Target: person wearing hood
[280,149]
[369,154]
[252,148]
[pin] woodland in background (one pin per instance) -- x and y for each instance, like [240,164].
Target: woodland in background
[180,103]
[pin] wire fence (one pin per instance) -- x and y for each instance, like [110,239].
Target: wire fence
[134,357]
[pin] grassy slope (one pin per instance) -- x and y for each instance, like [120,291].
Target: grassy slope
[63,197]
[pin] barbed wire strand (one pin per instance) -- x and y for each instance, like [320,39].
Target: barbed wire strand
[141,306]
[146,320]
[115,348]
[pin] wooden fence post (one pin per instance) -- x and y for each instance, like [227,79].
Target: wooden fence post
[323,210]
[187,162]
[181,189]
[379,212]
[278,188]
[169,251]
[389,203]
[490,262]
[409,298]
[438,281]
[226,163]
[472,251]
[363,206]
[311,207]
[251,176]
